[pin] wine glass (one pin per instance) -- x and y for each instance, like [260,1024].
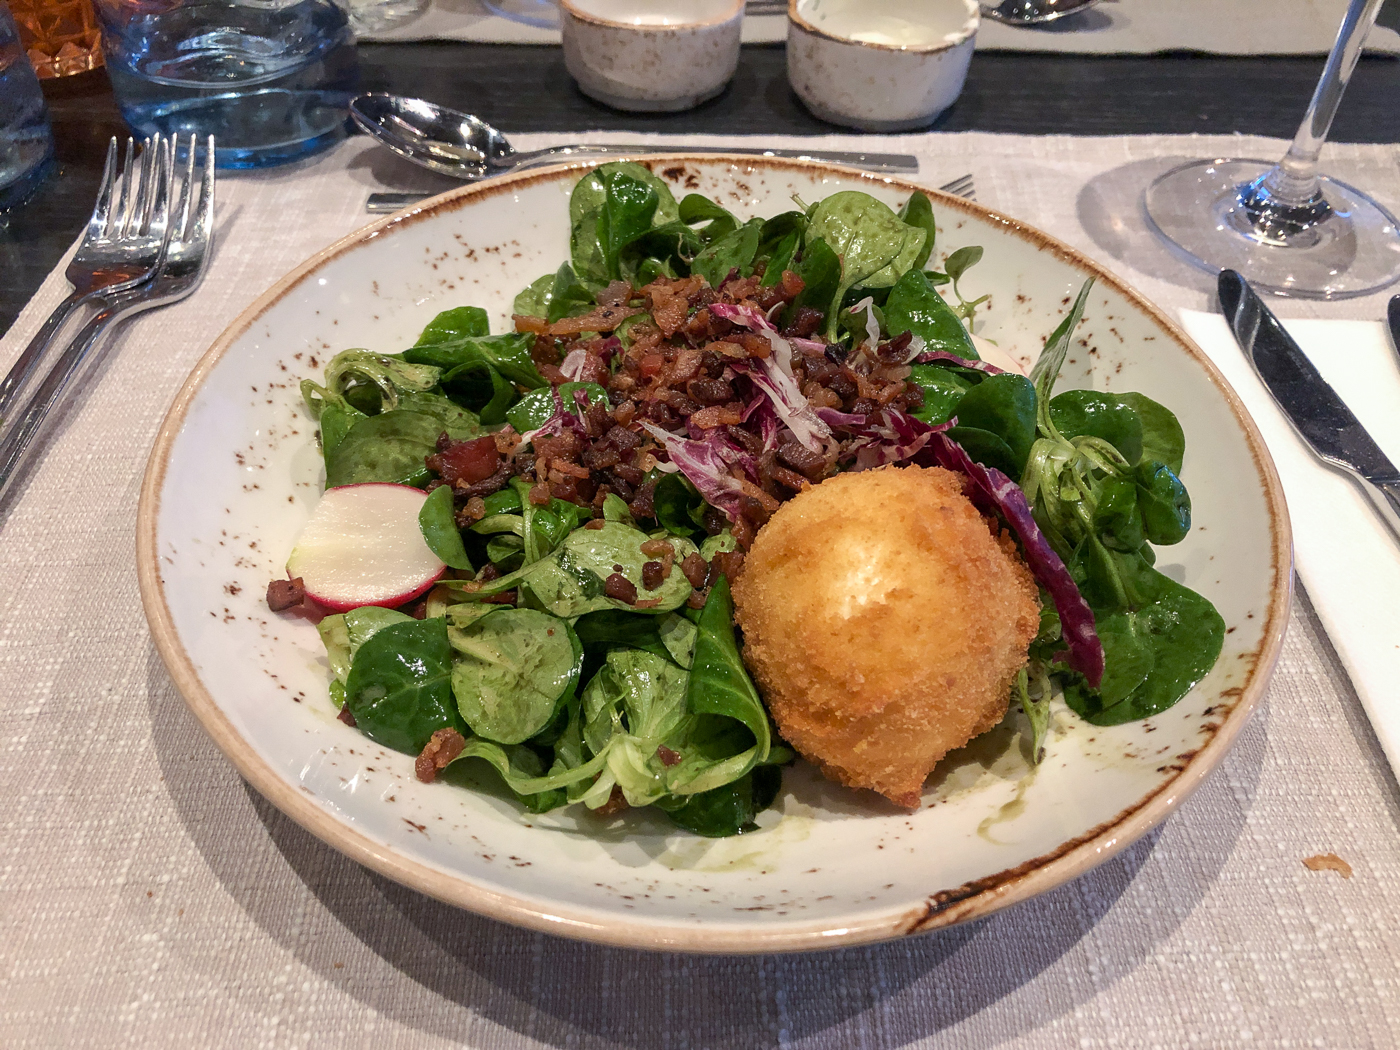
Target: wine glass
[543,14]
[1288,229]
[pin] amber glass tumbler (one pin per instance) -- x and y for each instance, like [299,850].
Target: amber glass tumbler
[60,36]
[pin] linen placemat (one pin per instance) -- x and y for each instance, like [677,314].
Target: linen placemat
[1121,27]
[148,898]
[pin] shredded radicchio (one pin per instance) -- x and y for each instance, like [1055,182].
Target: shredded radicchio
[772,375]
[560,419]
[703,462]
[572,365]
[930,356]
[991,489]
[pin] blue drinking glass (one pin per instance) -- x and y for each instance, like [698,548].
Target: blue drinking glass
[272,81]
[26,141]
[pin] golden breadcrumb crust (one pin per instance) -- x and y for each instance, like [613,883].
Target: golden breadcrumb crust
[884,623]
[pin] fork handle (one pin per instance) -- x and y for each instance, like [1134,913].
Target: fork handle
[28,360]
[18,439]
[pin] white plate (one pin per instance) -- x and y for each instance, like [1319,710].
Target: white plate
[235,472]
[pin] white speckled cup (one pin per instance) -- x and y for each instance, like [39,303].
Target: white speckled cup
[880,65]
[651,55]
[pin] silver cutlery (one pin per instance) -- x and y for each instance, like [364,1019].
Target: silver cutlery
[1034,12]
[1392,314]
[120,248]
[467,148]
[182,264]
[391,202]
[1319,416]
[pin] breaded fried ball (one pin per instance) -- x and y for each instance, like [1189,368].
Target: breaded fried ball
[884,623]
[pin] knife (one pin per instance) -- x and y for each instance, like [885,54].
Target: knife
[1319,416]
[1393,316]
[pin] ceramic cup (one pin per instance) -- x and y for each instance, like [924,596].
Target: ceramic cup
[651,55]
[880,65]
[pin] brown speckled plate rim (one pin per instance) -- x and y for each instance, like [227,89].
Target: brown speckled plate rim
[944,906]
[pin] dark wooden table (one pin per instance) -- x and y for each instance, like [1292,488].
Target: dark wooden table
[522,88]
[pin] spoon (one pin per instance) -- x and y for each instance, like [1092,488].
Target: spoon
[467,148]
[1034,12]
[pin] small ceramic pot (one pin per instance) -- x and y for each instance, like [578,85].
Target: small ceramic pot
[880,65]
[651,55]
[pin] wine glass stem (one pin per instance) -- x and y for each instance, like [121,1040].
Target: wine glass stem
[1294,180]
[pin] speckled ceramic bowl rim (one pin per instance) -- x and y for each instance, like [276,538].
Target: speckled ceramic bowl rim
[943,906]
[918,49]
[568,8]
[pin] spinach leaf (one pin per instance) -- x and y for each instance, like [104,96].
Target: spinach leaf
[534,299]
[388,447]
[481,387]
[438,521]
[1162,437]
[399,686]
[734,251]
[344,633]
[532,410]
[876,248]
[610,207]
[719,685]
[732,808]
[337,419]
[1101,415]
[1003,405]
[820,270]
[914,305]
[456,420]
[679,507]
[570,582]
[989,449]
[696,208]
[513,668]
[778,244]
[507,354]
[1117,518]
[942,388]
[1179,633]
[455,324]
[678,635]
[373,382]
[634,704]
[918,212]
[1166,507]
[554,296]
[609,628]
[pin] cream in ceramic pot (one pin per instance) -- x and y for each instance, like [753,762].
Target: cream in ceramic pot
[651,55]
[880,65]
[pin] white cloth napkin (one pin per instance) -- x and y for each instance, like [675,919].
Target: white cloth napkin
[1122,27]
[1345,555]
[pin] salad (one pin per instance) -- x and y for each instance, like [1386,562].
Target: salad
[594,477]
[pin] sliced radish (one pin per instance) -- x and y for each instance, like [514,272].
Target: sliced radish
[364,546]
[995,355]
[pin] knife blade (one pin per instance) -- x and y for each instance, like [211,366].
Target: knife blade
[1393,316]
[1313,408]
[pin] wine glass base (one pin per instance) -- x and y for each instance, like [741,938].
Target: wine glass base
[1197,207]
[543,14]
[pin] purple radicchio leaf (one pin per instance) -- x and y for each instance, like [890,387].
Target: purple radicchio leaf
[989,488]
[706,468]
[560,419]
[930,356]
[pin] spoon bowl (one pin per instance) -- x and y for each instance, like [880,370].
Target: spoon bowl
[1034,12]
[445,140]
[467,148]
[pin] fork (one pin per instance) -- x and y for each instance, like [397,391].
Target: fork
[182,264]
[119,250]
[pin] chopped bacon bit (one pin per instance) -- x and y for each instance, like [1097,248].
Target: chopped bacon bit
[652,575]
[285,594]
[730,564]
[466,461]
[539,495]
[620,588]
[697,599]
[695,568]
[615,804]
[647,603]
[596,523]
[442,747]
[615,294]
[603,319]
[346,716]
[475,509]
[525,323]
[667,756]
[716,416]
